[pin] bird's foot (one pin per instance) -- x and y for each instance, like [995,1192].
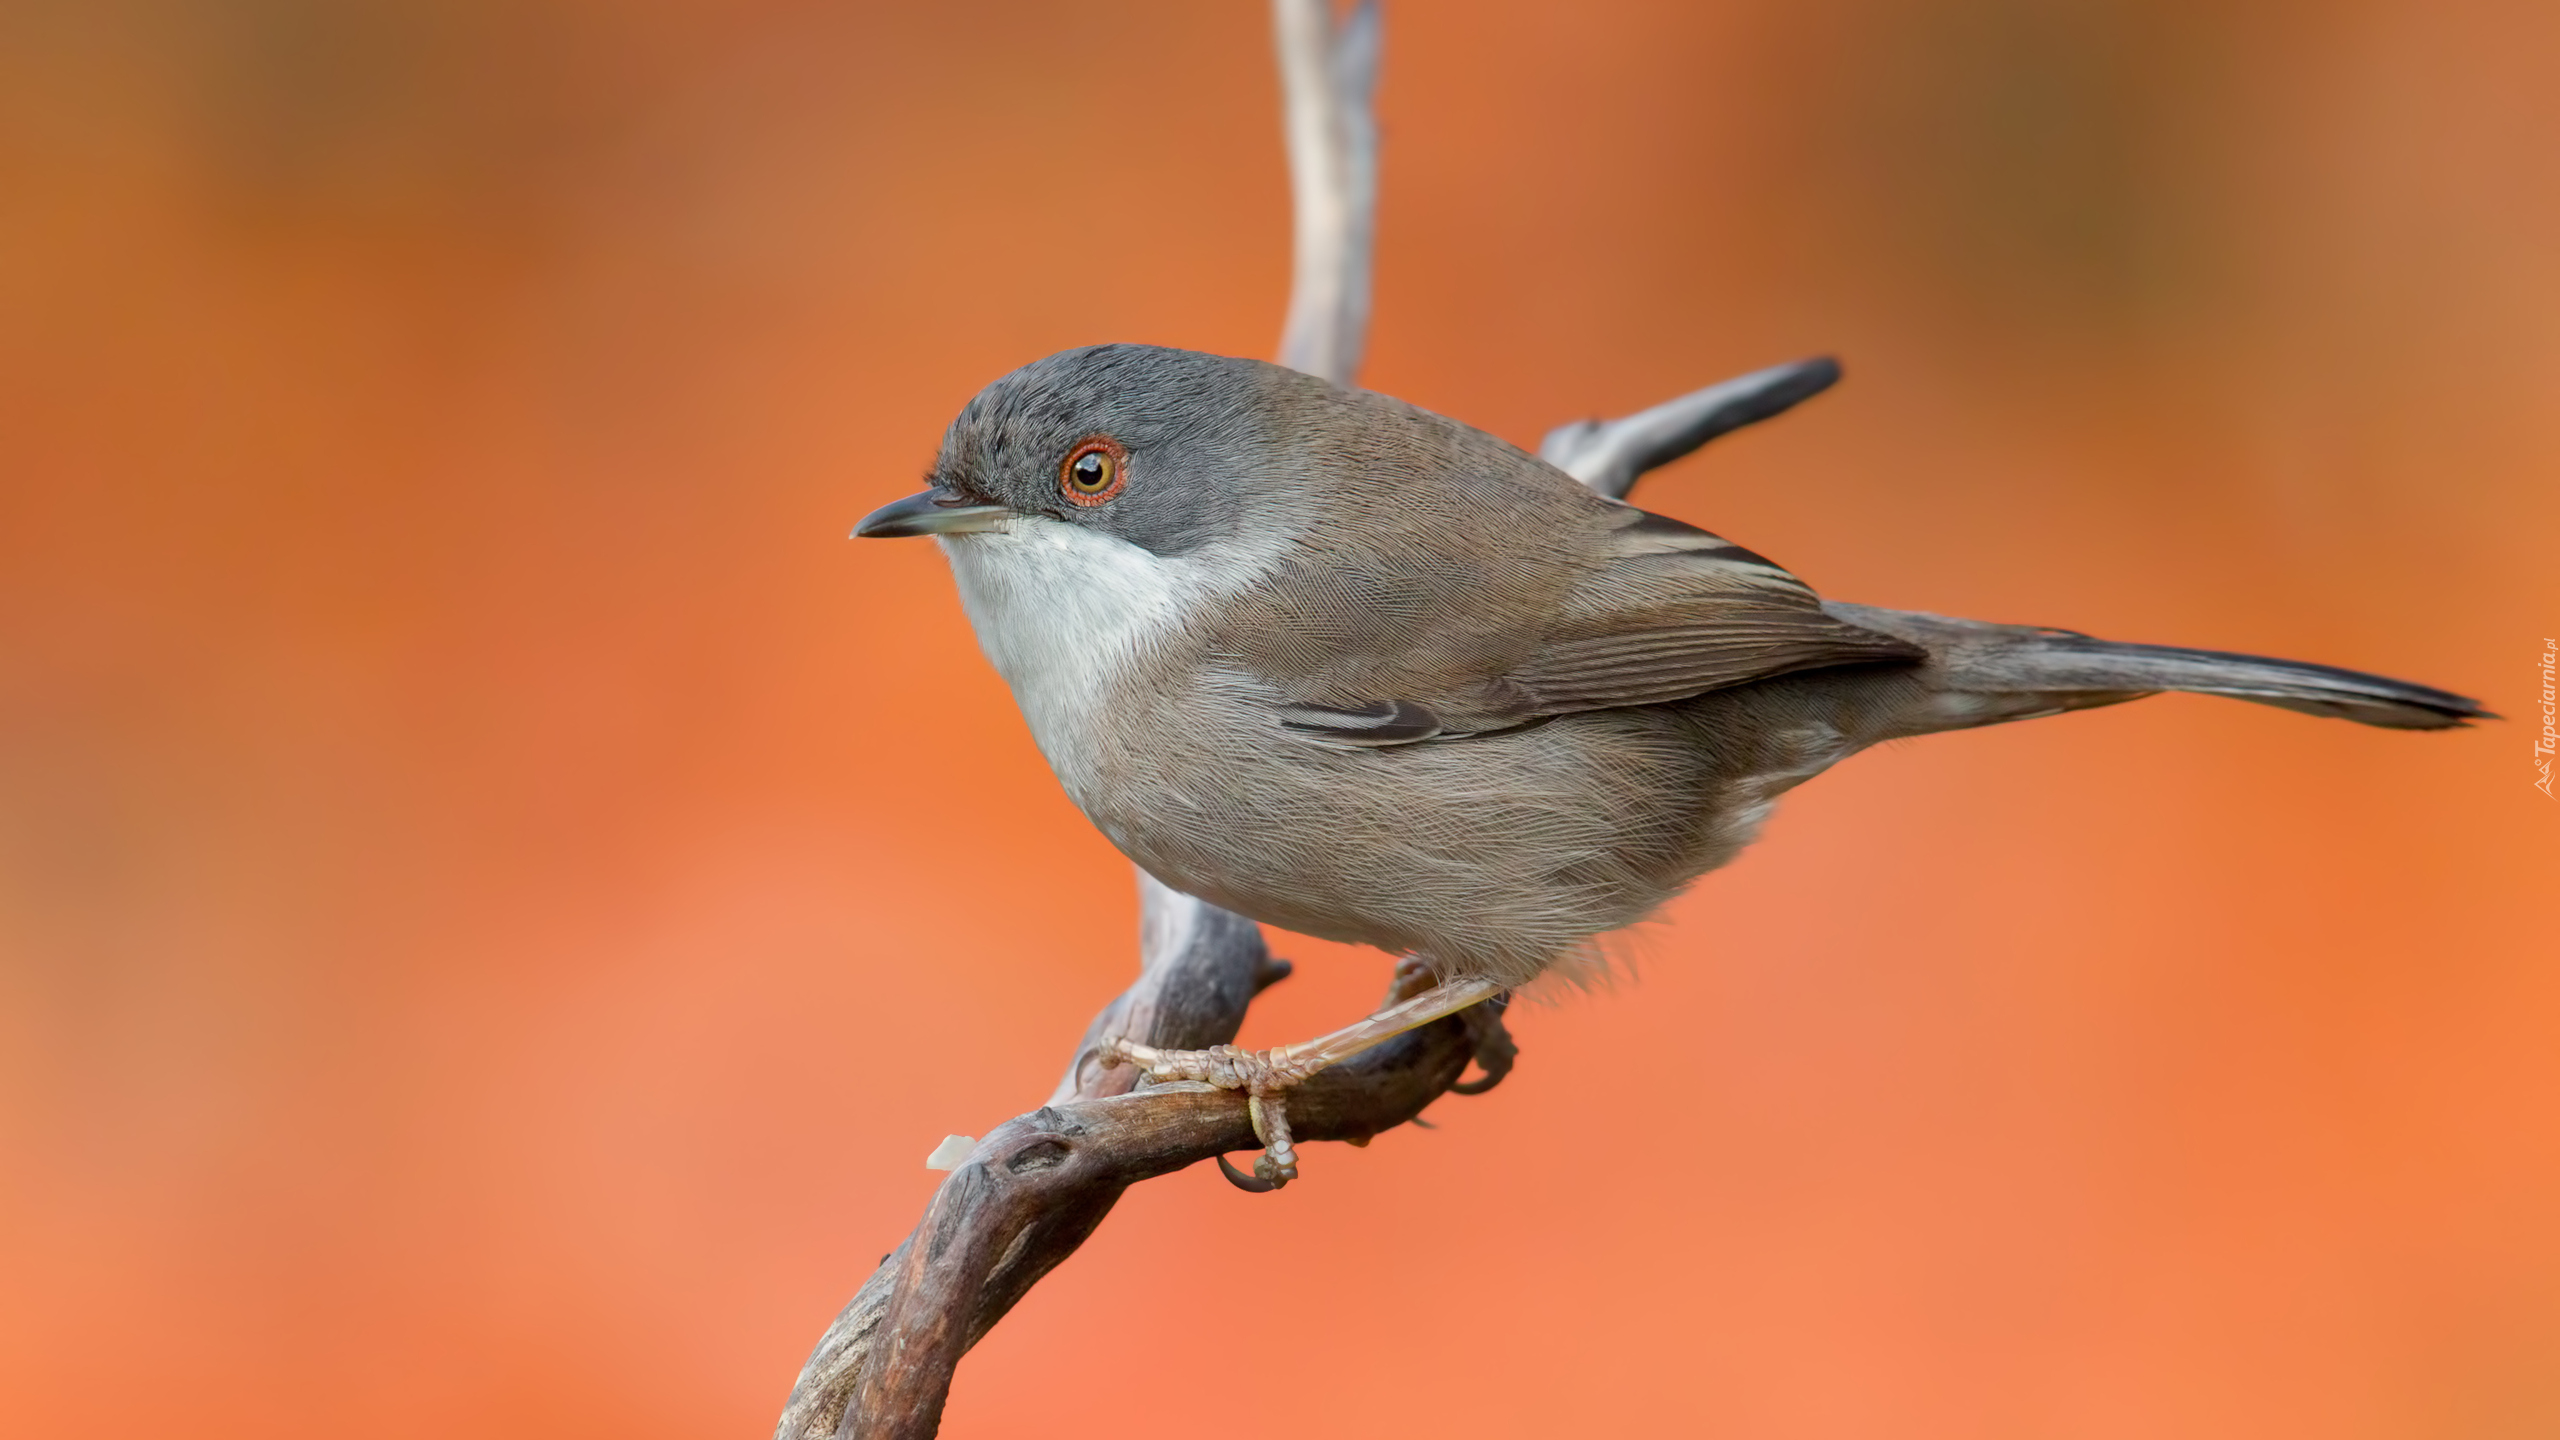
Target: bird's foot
[1263,1075]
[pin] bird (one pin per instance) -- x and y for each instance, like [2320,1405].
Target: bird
[1354,669]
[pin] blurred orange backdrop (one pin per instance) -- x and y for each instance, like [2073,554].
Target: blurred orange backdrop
[497,897]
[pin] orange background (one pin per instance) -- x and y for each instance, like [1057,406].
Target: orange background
[497,897]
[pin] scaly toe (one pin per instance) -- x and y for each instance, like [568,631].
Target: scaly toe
[1279,1162]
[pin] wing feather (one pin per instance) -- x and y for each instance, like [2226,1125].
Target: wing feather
[1628,608]
[1677,611]
[1388,722]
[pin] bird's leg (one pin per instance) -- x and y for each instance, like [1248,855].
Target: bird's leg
[1265,1074]
[1495,1051]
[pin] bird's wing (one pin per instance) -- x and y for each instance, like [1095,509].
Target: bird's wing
[1661,611]
[1675,611]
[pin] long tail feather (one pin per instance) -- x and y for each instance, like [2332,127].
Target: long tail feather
[2038,671]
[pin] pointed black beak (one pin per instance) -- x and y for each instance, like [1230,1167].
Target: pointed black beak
[934,512]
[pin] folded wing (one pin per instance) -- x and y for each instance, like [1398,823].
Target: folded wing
[1675,612]
[1644,611]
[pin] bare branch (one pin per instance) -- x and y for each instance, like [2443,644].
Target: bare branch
[993,1233]
[1328,76]
[1030,1194]
[1610,455]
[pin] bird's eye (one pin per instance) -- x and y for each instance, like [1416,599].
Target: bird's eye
[1094,471]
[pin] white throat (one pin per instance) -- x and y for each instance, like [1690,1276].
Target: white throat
[1063,612]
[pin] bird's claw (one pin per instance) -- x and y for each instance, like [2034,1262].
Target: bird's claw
[1253,1184]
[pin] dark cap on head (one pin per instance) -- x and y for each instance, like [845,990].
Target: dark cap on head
[1190,433]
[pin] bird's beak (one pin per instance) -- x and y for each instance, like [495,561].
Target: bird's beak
[934,512]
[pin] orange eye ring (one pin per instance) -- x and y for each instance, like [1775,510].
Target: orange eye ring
[1094,471]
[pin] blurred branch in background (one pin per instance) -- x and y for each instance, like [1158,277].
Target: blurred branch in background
[1328,85]
[1031,1192]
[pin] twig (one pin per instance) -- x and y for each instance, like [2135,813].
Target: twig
[1610,455]
[1327,80]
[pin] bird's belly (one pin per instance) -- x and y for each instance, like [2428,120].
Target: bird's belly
[1495,855]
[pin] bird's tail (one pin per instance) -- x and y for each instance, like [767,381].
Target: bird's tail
[1982,674]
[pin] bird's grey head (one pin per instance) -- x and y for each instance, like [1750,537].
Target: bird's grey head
[1169,450]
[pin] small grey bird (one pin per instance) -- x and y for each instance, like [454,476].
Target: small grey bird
[1340,664]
